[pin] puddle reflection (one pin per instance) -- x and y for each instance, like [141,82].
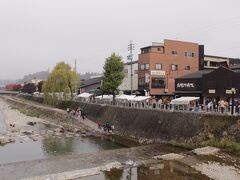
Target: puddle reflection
[169,170]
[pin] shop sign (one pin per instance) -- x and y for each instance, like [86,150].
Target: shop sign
[185,85]
[228,91]
[211,91]
[231,91]
[157,73]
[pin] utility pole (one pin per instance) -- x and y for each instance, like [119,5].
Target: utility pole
[130,57]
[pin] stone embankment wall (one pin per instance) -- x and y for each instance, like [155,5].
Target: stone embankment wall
[161,126]
[157,125]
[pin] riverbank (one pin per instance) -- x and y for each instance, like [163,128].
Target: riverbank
[16,118]
[30,118]
[19,123]
[146,126]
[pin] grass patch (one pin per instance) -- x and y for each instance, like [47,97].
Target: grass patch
[182,145]
[227,144]
[25,111]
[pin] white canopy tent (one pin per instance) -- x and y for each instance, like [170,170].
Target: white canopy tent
[140,98]
[125,97]
[123,100]
[104,97]
[184,100]
[84,97]
[184,103]
[139,101]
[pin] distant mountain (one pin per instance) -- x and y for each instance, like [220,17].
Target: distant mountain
[89,75]
[3,82]
[43,75]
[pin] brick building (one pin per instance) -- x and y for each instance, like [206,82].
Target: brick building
[161,63]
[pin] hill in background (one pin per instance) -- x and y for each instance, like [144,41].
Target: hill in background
[43,75]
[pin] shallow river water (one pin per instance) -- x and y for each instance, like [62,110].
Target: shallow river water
[44,148]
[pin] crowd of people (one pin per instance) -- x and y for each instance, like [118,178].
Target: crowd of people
[222,106]
[79,112]
[105,127]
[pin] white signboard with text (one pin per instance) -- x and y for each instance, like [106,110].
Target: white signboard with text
[211,91]
[157,73]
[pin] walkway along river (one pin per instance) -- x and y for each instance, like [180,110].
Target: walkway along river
[42,150]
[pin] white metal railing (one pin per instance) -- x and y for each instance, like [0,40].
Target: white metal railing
[166,107]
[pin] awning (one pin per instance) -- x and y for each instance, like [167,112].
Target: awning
[184,100]
[85,95]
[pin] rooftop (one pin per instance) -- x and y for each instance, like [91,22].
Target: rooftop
[221,57]
[196,75]
[158,44]
[89,82]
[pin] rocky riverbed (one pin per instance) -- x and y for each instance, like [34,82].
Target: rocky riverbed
[18,126]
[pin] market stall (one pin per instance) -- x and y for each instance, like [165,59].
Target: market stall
[84,97]
[185,104]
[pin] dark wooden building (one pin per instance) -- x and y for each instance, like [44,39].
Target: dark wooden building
[218,83]
[191,84]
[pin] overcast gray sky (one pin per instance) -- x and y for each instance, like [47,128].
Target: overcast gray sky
[36,34]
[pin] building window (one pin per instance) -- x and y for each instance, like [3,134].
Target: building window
[157,171]
[187,68]
[158,83]
[159,49]
[147,50]
[174,67]
[158,66]
[135,71]
[147,77]
[174,52]
[144,66]
[189,54]
[205,63]
[213,64]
